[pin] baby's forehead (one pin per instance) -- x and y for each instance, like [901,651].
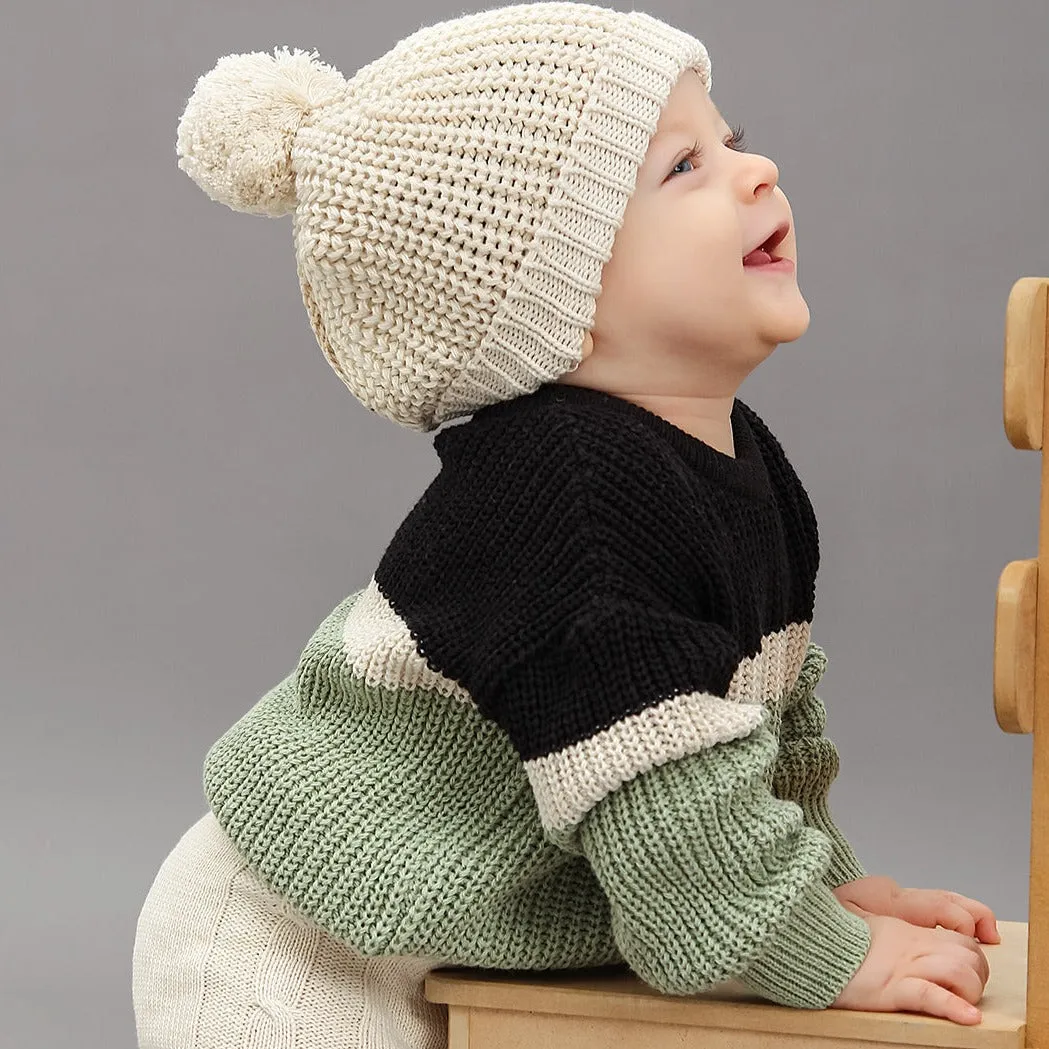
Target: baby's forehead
[718,118]
[682,116]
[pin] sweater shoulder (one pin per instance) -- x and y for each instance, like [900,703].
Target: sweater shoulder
[546,435]
[537,502]
[567,451]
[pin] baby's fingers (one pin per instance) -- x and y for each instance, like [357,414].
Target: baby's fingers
[973,950]
[986,925]
[916,995]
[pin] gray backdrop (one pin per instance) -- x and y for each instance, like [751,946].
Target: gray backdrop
[189,488]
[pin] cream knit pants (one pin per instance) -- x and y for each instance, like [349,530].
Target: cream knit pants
[221,962]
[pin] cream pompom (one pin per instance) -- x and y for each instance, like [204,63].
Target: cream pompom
[236,134]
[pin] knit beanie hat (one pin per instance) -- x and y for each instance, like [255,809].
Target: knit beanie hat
[453,202]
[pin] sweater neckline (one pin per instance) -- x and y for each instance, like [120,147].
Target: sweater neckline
[746,471]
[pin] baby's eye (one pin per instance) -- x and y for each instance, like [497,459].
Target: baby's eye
[735,141]
[693,154]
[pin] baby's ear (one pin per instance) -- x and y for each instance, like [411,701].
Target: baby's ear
[588,345]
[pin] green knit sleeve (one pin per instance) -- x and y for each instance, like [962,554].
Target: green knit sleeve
[712,878]
[808,763]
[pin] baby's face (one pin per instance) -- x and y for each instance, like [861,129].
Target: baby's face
[678,311]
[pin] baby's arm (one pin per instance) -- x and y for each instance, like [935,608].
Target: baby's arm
[616,700]
[712,878]
[808,764]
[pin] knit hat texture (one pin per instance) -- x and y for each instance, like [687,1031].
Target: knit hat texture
[453,202]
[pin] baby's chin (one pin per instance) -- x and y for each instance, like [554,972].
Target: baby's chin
[786,318]
[801,322]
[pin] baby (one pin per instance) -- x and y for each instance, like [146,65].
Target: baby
[570,720]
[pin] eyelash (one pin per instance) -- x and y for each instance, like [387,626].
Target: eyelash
[737,141]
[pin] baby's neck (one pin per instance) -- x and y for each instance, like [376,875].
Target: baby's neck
[707,419]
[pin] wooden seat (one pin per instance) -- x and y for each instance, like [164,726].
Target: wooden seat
[613,1009]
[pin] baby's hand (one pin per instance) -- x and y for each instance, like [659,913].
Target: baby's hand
[932,907]
[938,972]
[928,908]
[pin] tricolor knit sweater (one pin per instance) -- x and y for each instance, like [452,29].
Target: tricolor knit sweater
[570,720]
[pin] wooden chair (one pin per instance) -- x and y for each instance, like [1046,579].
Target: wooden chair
[610,1008]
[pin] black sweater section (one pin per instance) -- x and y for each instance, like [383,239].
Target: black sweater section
[573,521]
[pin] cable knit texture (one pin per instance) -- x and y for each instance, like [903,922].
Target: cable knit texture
[570,720]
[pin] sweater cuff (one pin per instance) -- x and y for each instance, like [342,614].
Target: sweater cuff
[813,954]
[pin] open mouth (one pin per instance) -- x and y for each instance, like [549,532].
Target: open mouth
[765,252]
